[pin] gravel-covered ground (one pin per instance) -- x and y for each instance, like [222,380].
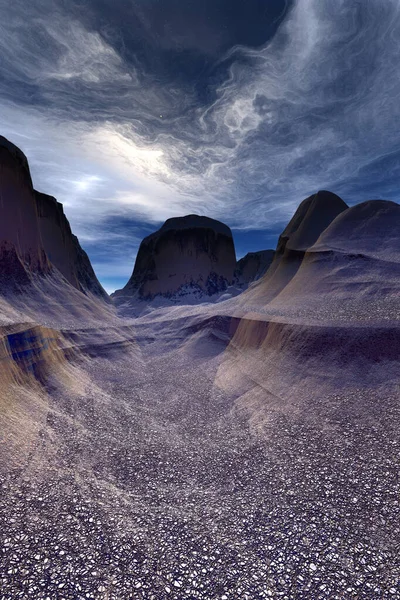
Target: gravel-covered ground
[152,484]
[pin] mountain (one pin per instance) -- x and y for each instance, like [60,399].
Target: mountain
[21,247]
[311,218]
[187,256]
[44,272]
[253,266]
[353,267]
[370,228]
[35,235]
[62,247]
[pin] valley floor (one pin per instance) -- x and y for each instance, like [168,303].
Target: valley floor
[154,482]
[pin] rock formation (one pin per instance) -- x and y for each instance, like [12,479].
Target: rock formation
[35,236]
[351,272]
[253,266]
[62,247]
[311,218]
[370,228]
[21,248]
[354,262]
[189,255]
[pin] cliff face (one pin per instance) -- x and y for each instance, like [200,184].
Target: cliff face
[62,247]
[253,266]
[187,255]
[35,236]
[21,248]
[56,235]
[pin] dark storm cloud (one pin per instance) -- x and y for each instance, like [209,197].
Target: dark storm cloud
[145,109]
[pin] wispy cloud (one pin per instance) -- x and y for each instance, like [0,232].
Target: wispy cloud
[316,107]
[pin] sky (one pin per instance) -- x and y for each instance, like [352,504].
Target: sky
[134,111]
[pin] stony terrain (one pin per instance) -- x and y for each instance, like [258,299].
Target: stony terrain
[153,483]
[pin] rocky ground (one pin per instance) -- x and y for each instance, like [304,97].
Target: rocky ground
[152,485]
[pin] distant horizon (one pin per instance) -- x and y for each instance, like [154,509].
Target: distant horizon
[245,240]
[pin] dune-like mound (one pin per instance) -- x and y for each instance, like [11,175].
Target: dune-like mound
[352,272]
[311,218]
[370,228]
[253,266]
[189,255]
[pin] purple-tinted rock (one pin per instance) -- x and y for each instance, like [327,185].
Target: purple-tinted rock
[311,218]
[20,240]
[190,254]
[62,247]
[253,266]
[35,235]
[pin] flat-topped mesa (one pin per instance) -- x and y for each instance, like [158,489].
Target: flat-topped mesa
[187,255]
[253,266]
[21,248]
[63,248]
